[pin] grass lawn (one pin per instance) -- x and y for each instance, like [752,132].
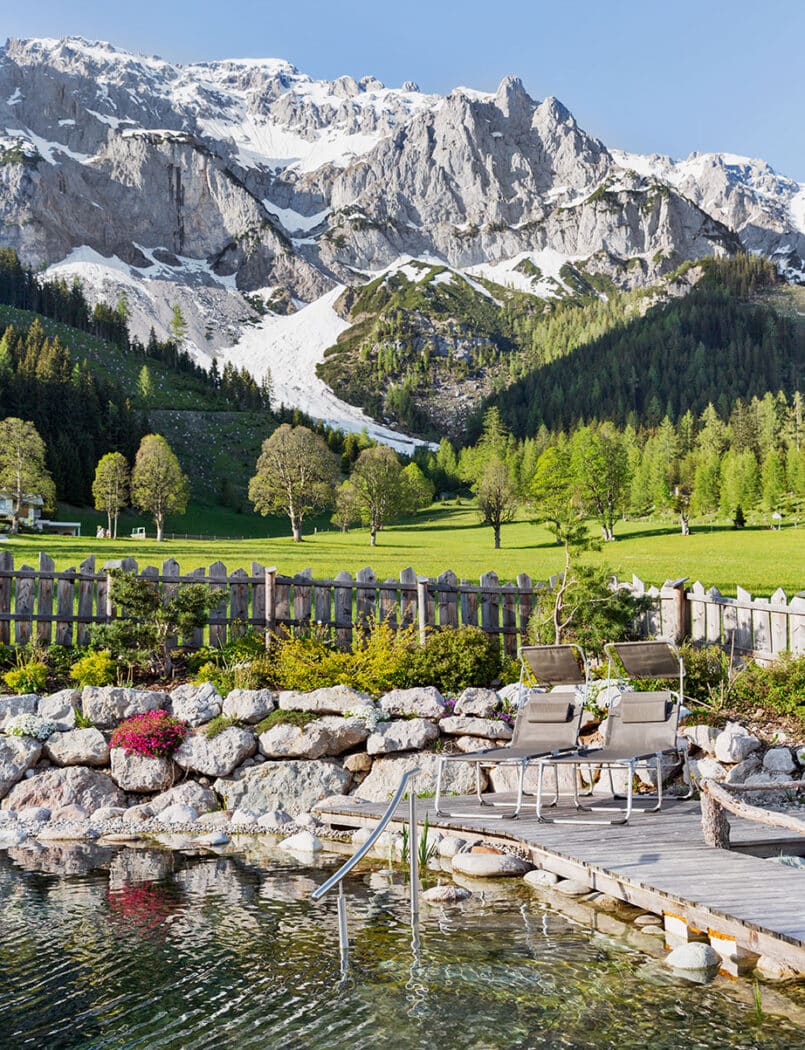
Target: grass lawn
[444,537]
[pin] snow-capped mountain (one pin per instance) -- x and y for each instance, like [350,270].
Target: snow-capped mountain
[245,190]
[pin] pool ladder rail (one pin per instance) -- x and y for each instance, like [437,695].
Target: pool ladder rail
[337,879]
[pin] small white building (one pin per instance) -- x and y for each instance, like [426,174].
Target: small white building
[31,517]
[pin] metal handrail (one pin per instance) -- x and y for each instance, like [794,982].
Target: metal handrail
[362,850]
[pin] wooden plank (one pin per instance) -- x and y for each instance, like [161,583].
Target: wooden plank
[282,606]
[448,599]
[6,565]
[322,603]
[743,633]
[389,603]
[779,622]
[407,597]
[24,605]
[302,597]
[469,604]
[490,604]
[86,601]
[170,568]
[698,614]
[195,639]
[761,626]
[258,588]
[653,614]
[218,582]
[44,603]
[238,603]
[525,586]
[713,616]
[422,607]
[509,620]
[365,598]
[342,586]
[729,623]
[65,595]
[797,625]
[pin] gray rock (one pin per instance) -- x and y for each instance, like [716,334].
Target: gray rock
[323,737]
[302,842]
[12,835]
[78,747]
[360,762]
[105,813]
[477,703]
[139,773]
[694,957]
[572,887]
[249,705]
[17,755]
[334,700]
[779,760]
[59,708]
[410,735]
[707,769]
[541,878]
[380,785]
[450,845]
[195,704]
[11,706]
[774,970]
[490,865]
[739,773]
[702,736]
[422,702]
[72,785]
[34,815]
[295,784]
[108,705]
[178,814]
[488,728]
[735,743]
[188,793]
[243,816]
[217,756]
[447,893]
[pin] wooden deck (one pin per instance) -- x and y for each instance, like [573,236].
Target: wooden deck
[658,862]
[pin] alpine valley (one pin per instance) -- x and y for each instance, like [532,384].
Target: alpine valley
[391,259]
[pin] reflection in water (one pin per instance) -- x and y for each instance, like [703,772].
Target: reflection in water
[140,948]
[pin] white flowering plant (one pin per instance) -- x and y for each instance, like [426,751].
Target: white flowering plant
[30,725]
[370,716]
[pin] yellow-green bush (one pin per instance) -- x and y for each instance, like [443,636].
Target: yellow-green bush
[30,677]
[96,668]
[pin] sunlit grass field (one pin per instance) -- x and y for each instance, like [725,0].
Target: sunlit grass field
[445,537]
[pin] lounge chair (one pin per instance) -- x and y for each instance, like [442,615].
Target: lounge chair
[640,731]
[546,724]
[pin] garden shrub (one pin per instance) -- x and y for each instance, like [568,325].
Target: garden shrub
[455,658]
[778,688]
[226,676]
[28,677]
[155,734]
[219,724]
[96,668]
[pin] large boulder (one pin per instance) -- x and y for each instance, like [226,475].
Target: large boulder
[17,755]
[382,781]
[188,793]
[71,786]
[410,735]
[490,865]
[293,785]
[78,747]
[59,708]
[330,735]
[477,703]
[702,736]
[216,756]
[779,760]
[489,728]
[333,700]
[107,705]
[422,702]
[735,743]
[11,706]
[140,773]
[738,774]
[707,769]
[195,704]
[249,705]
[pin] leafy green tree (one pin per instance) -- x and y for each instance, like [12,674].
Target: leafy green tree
[23,472]
[379,489]
[417,490]
[496,493]
[706,485]
[145,384]
[295,475]
[739,480]
[773,480]
[110,489]
[158,485]
[347,507]
[600,470]
[178,325]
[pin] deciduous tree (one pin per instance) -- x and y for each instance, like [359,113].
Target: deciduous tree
[158,485]
[110,489]
[23,472]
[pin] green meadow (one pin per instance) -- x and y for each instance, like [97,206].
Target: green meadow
[444,537]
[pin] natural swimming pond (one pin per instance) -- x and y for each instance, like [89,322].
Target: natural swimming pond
[125,948]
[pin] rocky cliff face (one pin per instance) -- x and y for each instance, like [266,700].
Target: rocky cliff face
[199,183]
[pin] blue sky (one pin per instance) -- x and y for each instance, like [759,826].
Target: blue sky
[644,75]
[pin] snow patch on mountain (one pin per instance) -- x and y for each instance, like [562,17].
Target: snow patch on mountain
[797,209]
[519,272]
[288,349]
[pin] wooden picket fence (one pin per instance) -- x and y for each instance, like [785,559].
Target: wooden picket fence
[61,607]
[47,606]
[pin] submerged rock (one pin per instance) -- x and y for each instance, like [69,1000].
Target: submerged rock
[490,865]
[695,957]
[446,894]
[302,842]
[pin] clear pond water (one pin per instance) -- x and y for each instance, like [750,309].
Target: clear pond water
[124,948]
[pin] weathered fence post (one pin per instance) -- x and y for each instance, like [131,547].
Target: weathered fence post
[779,623]
[44,604]
[447,597]
[6,566]
[65,595]
[408,600]
[743,630]
[24,605]
[715,825]
[86,600]
[365,597]
[238,602]
[170,568]
[302,597]
[343,609]
[217,618]
[271,601]
[422,607]
[490,620]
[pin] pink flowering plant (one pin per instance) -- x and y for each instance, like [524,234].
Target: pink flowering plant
[156,734]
